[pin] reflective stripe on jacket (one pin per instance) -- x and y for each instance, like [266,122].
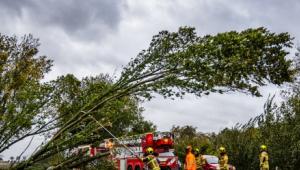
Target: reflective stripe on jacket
[203,160]
[223,162]
[264,160]
[200,161]
[152,162]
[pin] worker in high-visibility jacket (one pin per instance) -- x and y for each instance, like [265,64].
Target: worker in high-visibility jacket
[223,159]
[190,160]
[200,159]
[263,158]
[151,160]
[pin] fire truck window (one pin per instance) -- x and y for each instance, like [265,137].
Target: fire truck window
[166,154]
[137,168]
[129,167]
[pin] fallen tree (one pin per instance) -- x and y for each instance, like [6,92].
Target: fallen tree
[177,63]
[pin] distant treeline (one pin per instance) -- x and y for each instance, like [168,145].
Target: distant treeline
[278,128]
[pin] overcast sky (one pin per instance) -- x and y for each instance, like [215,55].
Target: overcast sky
[88,37]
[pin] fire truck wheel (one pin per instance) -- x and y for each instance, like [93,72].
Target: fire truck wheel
[129,167]
[137,167]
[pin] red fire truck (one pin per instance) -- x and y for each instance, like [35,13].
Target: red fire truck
[161,142]
[126,152]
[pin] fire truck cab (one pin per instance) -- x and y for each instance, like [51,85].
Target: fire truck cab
[161,142]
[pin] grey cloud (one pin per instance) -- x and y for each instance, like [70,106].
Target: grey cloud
[14,7]
[208,113]
[88,19]
[218,16]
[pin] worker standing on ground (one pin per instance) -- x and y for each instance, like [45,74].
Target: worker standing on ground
[200,159]
[264,158]
[151,160]
[223,160]
[190,160]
